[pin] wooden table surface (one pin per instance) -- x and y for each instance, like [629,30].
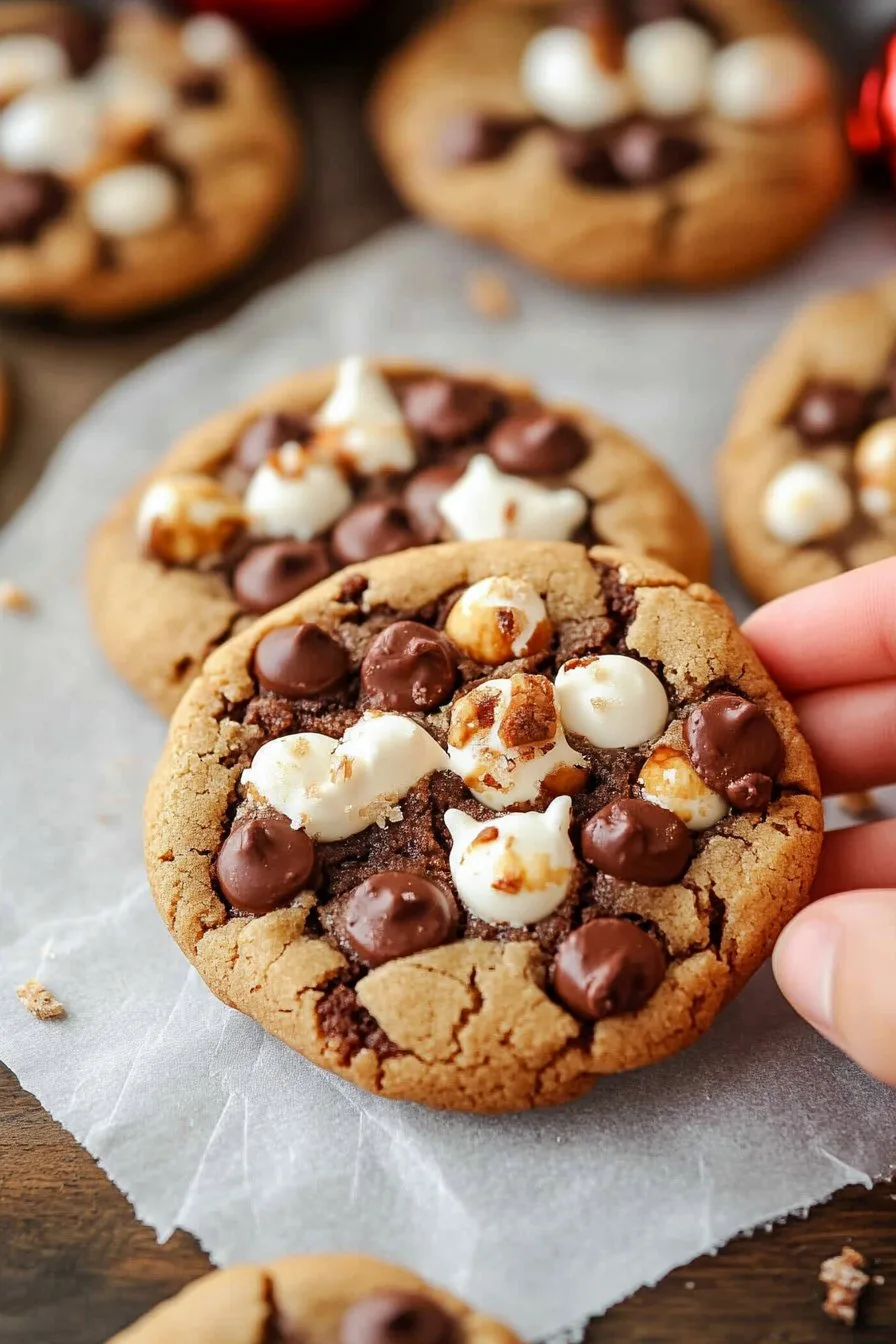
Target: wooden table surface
[75,1265]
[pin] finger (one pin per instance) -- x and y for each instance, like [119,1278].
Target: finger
[860,856]
[830,634]
[852,733]
[836,964]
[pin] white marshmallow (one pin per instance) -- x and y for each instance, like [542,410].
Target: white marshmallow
[184,519]
[611,701]
[335,789]
[290,495]
[54,129]
[485,503]
[505,740]
[130,201]
[211,41]
[805,502]
[670,62]
[372,434]
[668,779]
[27,60]
[562,79]
[876,470]
[769,79]
[516,869]
[134,99]
[498,619]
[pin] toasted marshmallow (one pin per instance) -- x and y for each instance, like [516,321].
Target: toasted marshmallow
[498,619]
[134,200]
[876,470]
[506,742]
[335,789]
[561,77]
[133,101]
[770,79]
[184,519]
[668,779]
[211,41]
[368,427]
[28,60]
[670,63]
[516,869]
[485,503]
[55,129]
[805,502]
[611,701]
[290,495]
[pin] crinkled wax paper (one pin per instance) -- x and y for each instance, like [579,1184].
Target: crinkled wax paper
[203,1121]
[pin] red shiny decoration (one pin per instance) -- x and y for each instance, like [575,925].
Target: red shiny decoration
[279,15]
[871,122]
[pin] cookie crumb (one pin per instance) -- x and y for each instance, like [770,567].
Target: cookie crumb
[878,1280]
[862,806]
[845,1279]
[39,1001]
[14,598]
[490,296]
[690,1285]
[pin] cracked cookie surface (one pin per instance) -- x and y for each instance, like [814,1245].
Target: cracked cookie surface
[475,825]
[338,465]
[617,142]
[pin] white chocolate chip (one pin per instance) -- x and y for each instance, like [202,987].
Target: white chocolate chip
[290,495]
[27,60]
[498,619]
[134,200]
[516,869]
[485,503]
[335,789]
[133,101]
[668,779]
[876,470]
[770,79]
[211,41]
[506,742]
[670,62]
[54,129]
[184,519]
[612,701]
[562,79]
[805,502]
[369,429]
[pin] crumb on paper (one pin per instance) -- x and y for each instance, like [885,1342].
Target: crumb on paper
[690,1285]
[39,1001]
[14,598]
[863,806]
[878,1280]
[490,296]
[845,1279]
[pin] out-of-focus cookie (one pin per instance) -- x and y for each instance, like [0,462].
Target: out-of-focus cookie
[618,142]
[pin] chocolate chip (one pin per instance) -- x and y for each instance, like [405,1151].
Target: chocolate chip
[735,749]
[80,34]
[397,1318]
[449,410]
[829,412]
[421,497]
[395,914]
[653,11]
[607,966]
[262,863]
[475,137]
[375,527]
[265,435]
[880,404]
[277,572]
[584,155]
[409,667]
[29,201]
[200,88]
[537,443]
[300,661]
[638,842]
[643,153]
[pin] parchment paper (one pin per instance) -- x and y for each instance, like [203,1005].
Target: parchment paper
[207,1124]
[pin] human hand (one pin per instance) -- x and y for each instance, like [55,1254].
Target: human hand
[832,650]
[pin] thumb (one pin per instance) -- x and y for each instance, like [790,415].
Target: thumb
[836,964]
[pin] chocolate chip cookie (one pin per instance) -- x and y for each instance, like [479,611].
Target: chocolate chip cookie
[141,158]
[338,466]
[807,477]
[618,142]
[475,824]
[328,1299]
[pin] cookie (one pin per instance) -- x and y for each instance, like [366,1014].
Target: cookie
[618,142]
[336,466]
[141,158]
[807,478]
[475,824]
[323,1299]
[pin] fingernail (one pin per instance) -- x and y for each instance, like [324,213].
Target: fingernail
[805,962]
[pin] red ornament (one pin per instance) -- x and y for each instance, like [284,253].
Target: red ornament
[871,122]
[278,15]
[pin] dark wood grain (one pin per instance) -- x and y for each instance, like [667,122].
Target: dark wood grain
[75,1265]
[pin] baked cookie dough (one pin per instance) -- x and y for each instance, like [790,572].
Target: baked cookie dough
[808,475]
[618,142]
[343,464]
[141,158]
[473,825]
[321,1299]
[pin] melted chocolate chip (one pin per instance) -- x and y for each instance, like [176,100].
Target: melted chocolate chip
[28,202]
[829,412]
[80,34]
[653,11]
[449,410]
[409,668]
[644,153]
[638,842]
[201,88]
[300,661]
[375,527]
[735,749]
[397,1318]
[263,863]
[584,155]
[537,443]
[265,435]
[476,137]
[277,572]
[607,966]
[421,497]
[396,914]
